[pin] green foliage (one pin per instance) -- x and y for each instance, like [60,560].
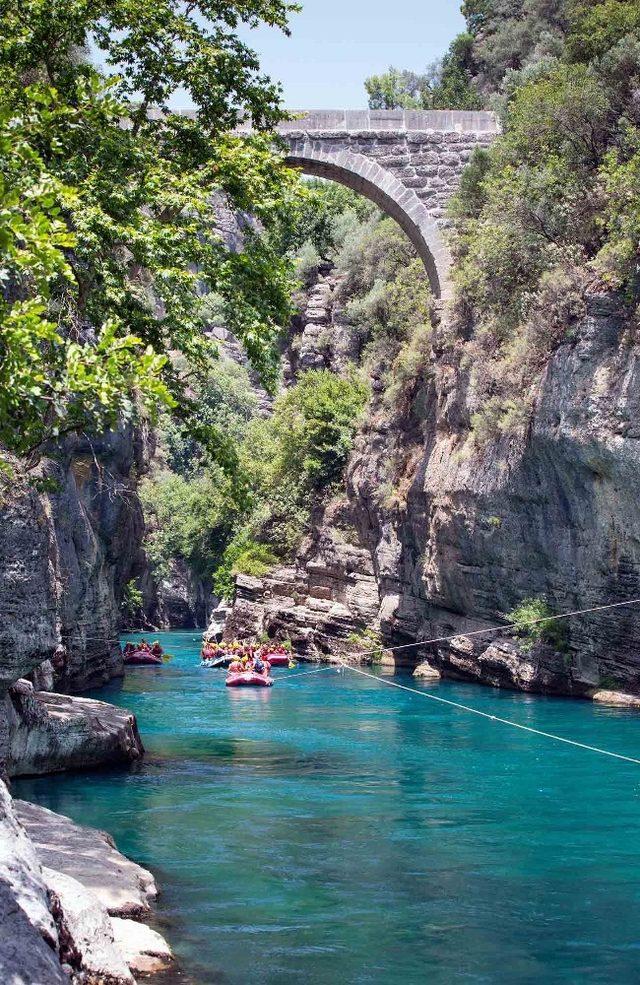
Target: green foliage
[369,642]
[108,232]
[308,262]
[619,259]
[511,36]
[312,428]
[386,298]
[551,206]
[384,283]
[132,600]
[317,216]
[396,89]
[225,403]
[188,519]
[410,367]
[597,26]
[243,556]
[444,85]
[533,623]
[452,86]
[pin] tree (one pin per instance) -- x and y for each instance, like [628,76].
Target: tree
[598,26]
[108,230]
[446,84]
[396,89]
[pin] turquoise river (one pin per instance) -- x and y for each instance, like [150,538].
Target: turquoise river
[335,830]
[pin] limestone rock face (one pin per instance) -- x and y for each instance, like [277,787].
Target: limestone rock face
[505,663]
[124,888]
[25,958]
[49,733]
[65,557]
[29,936]
[181,600]
[89,925]
[20,870]
[29,590]
[446,537]
[470,533]
[321,337]
[330,596]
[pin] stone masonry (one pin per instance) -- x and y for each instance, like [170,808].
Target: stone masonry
[406,161]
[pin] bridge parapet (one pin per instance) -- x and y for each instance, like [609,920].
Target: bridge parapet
[442,120]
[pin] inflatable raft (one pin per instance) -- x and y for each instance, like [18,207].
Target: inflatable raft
[141,658]
[248,678]
[277,659]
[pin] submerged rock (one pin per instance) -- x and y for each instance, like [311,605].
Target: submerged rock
[123,887]
[49,733]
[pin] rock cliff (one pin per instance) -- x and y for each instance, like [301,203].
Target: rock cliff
[439,535]
[65,556]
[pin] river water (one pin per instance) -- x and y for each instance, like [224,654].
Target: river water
[334,830]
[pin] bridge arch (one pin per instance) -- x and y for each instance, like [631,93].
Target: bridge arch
[366,176]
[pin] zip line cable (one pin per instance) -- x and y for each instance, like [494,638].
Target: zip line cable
[492,718]
[496,629]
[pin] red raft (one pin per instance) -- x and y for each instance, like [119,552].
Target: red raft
[141,657]
[278,659]
[248,678]
[143,654]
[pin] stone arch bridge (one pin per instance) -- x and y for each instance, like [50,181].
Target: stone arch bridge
[407,162]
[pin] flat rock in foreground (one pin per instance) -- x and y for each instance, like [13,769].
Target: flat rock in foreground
[49,733]
[89,926]
[89,856]
[142,947]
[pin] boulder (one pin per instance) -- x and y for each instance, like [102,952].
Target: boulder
[20,870]
[25,957]
[142,947]
[29,935]
[425,672]
[49,733]
[122,886]
[618,698]
[90,929]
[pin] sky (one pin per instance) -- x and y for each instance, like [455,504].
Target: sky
[336,44]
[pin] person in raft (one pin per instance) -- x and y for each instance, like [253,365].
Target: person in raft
[156,649]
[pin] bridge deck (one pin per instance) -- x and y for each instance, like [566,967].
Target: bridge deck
[445,120]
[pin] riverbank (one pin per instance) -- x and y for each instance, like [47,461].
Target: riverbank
[74,904]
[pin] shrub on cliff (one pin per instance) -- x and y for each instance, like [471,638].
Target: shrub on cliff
[314,424]
[188,519]
[533,622]
[549,209]
[243,556]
